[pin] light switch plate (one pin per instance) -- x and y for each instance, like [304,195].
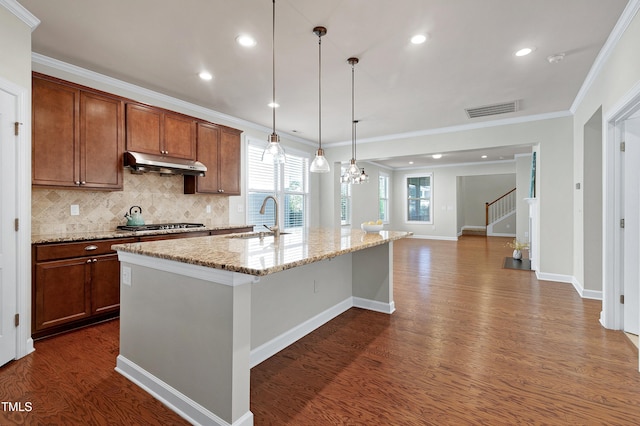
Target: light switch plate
[75,210]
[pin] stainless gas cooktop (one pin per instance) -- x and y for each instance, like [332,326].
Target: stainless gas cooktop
[160,226]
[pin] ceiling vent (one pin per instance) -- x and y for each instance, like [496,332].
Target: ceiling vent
[495,109]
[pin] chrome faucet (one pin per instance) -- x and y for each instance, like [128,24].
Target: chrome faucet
[275,228]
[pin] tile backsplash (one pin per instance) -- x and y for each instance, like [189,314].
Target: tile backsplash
[160,197]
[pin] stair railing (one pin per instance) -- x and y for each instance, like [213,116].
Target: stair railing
[500,207]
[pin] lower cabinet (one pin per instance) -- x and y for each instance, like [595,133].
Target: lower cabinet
[78,283]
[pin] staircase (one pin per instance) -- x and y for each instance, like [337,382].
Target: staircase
[498,211]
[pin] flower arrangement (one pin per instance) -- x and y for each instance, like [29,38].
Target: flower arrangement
[517,245]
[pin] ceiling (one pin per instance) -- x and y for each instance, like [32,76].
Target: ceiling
[468,60]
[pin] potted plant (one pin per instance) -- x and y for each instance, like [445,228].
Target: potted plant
[517,247]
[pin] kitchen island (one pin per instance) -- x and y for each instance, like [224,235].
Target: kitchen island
[197,314]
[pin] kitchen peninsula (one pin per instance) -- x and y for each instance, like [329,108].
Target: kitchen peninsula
[197,314]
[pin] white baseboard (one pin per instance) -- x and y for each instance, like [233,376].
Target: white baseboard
[373,305]
[569,279]
[185,407]
[273,346]
[498,234]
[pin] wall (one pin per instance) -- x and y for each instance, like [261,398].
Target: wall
[619,76]
[445,197]
[364,197]
[15,43]
[160,197]
[478,190]
[553,136]
[523,185]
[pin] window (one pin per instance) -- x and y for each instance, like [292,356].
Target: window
[345,201]
[383,198]
[288,182]
[419,194]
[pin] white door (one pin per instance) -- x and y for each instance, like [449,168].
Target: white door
[631,232]
[8,236]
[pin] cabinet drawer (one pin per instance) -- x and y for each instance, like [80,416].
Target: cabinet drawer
[85,248]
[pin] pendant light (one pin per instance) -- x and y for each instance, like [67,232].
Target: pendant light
[353,174]
[274,153]
[320,164]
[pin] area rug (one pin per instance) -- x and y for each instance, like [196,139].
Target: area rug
[521,264]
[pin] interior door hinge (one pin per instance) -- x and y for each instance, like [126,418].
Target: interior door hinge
[16,224]
[622,299]
[622,146]
[17,320]
[621,223]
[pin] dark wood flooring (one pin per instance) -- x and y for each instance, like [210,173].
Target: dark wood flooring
[471,343]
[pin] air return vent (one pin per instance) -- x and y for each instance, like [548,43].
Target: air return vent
[495,109]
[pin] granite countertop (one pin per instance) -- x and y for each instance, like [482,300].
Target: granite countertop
[263,256]
[104,235]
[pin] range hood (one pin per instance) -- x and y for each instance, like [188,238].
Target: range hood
[140,162]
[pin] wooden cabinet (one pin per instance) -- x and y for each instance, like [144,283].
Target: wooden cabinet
[77,136]
[74,284]
[156,131]
[78,283]
[218,147]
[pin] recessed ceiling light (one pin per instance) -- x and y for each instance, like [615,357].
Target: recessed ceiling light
[205,75]
[484,156]
[437,156]
[246,40]
[524,52]
[419,38]
[273,105]
[410,162]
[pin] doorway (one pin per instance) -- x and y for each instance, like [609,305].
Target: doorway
[621,201]
[8,236]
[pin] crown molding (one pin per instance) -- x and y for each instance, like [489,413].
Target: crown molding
[607,49]
[460,128]
[114,82]
[23,14]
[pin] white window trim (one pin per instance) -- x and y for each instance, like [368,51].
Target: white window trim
[279,193]
[406,198]
[383,174]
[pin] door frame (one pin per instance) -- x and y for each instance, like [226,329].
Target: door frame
[22,95]
[612,285]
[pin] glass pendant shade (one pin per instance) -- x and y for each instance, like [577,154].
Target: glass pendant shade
[319,163]
[274,153]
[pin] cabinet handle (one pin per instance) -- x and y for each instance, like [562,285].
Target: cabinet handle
[77,182]
[91,247]
[83,183]
[88,260]
[95,260]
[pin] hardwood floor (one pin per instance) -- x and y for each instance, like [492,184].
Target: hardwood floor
[470,343]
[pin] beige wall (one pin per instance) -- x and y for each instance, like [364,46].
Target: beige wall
[619,76]
[160,197]
[15,45]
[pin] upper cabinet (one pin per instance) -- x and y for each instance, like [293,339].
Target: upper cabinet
[218,147]
[156,131]
[78,136]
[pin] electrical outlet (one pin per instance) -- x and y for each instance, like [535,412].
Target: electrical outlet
[208,209]
[316,287]
[75,210]
[240,208]
[126,275]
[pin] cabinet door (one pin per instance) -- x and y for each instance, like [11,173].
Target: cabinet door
[102,141]
[105,284]
[179,136]
[229,162]
[61,292]
[208,136]
[144,129]
[54,150]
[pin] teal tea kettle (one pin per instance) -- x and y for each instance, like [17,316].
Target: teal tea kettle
[134,217]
